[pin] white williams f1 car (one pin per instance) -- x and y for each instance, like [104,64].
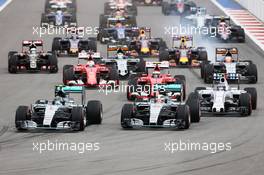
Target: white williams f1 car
[222,99]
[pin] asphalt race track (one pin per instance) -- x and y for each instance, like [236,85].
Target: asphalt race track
[122,152]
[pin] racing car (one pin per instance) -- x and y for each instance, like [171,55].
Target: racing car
[32,58]
[69,4]
[145,45]
[108,21]
[181,54]
[199,19]
[73,43]
[225,30]
[161,111]
[178,7]
[156,75]
[227,61]
[93,73]
[59,17]
[117,32]
[148,2]
[119,56]
[223,99]
[124,5]
[63,112]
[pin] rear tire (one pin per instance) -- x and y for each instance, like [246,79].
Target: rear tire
[68,75]
[252,71]
[126,115]
[22,114]
[12,64]
[53,63]
[94,112]
[245,102]
[184,114]
[194,106]
[254,97]
[78,119]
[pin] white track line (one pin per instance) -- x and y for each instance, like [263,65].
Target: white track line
[5,4]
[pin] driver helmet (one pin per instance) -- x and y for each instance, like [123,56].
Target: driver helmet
[120,53]
[156,74]
[33,50]
[228,59]
[119,24]
[90,63]
[222,19]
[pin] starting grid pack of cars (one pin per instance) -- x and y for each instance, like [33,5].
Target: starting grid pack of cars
[155,97]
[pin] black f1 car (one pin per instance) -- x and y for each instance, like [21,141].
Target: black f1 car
[178,7]
[59,17]
[32,58]
[148,2]
[225,30]
[124,5]
[73,43]
[69,4]
[227,62]
[184,55]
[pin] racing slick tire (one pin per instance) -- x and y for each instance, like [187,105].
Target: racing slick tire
[11,53]
[194,106]
[22,114]
[208,74]
[202,54]
[78,119]
[92,45]
[68,75]
[180,79]
[12,64]
[165,8]
[126,115]
[252,71]
[245,102]
[53,63]
[184,114]
[113,75]
[56,46]
[94,112]
[67,66]
[164,55]
[131,87]
[202,67]
[254,97]
[141,66]
[241,37]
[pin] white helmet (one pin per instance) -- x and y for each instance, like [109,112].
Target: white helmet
[33,50]
[90,63]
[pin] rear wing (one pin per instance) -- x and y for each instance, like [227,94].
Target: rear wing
[183,37]
[115,48]
[227,18]
[163,64]
[27,43]
[221,53]
[168,87]
[72,90]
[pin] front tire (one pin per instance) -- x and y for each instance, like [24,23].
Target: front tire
[94,112]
